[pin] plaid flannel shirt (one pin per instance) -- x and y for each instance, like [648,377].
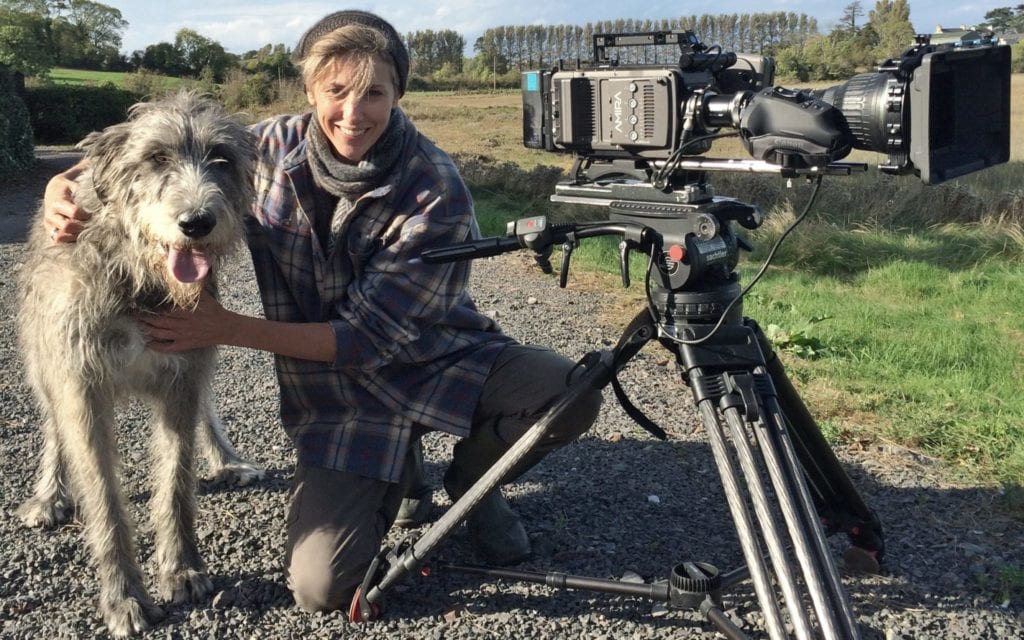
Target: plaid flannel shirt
[411,347]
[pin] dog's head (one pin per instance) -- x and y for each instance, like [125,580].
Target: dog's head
[177,179]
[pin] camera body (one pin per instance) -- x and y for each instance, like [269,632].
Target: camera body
[606,110]
[937,111]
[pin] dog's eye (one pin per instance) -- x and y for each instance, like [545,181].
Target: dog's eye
[219,158]
[160,159]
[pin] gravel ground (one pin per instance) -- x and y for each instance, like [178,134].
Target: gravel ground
[617,501]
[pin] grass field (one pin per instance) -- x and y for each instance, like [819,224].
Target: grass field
[61,75]
[83,76]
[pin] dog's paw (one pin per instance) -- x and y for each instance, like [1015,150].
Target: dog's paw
[130,615]
[185,585]
[45,513]
[240,473]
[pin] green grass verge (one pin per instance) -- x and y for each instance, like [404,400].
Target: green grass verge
[911,352]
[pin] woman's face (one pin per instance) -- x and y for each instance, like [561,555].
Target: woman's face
[353,123]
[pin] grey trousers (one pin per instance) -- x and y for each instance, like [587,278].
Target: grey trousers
[337,521]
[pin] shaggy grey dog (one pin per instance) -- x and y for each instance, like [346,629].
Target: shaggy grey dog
[168,191]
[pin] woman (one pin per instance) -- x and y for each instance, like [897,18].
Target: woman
[372,346]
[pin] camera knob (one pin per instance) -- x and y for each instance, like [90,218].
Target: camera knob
[786,94]
[705,226]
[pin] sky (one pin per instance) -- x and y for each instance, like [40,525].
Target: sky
[244,25]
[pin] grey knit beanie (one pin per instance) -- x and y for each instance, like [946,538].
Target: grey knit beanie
[396,48]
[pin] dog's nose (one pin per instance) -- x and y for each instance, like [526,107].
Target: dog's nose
[197,225]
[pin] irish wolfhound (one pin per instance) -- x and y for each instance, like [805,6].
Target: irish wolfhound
[167,191]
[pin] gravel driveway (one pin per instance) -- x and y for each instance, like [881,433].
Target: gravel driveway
[617,501]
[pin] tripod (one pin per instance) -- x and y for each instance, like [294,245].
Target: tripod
[785,488]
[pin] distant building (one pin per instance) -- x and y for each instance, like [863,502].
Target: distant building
[962,35]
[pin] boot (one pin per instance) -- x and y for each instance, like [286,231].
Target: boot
[418,502]
[495,531]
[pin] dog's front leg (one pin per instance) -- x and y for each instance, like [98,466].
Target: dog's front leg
[50,504]
[85,421]
[182,573]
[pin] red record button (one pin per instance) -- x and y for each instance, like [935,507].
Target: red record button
[677,253]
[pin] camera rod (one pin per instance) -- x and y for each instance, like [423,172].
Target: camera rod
[760,166]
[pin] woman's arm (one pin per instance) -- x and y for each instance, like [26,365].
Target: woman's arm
[210,324]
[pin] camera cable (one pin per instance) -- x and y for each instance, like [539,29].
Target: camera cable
[671,164]
[753,281]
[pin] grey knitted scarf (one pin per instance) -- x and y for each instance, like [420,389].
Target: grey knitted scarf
[349,181]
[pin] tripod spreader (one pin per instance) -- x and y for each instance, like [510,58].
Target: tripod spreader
[691,585]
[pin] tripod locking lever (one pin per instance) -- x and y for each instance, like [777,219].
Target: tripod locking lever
[567,247]
[740,391]
[624,262]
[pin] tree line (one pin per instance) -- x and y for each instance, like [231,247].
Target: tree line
[523,47]
[36,35]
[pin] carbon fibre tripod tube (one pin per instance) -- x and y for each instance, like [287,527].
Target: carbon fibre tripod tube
[596,375]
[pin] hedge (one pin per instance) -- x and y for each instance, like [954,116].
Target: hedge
[16,151]
[64,114]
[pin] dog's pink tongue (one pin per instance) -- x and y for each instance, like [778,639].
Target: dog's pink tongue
[187,265]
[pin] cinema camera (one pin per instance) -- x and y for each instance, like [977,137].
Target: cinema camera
[638,132]
[938,111]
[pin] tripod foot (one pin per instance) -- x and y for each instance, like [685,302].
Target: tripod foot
[860,560]
[362,611]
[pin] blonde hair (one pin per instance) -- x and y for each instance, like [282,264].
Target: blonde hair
[353,44]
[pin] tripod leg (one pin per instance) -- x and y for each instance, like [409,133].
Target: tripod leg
[839,503]
[812,548]
[741,516]
[730,370]
[599,370]
[820,579]
[596,376]
[768,522]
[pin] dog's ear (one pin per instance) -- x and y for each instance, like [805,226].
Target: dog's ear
[103,150]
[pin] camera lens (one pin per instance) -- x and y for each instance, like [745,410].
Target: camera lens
[872,105]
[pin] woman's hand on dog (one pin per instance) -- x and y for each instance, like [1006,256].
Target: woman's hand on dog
[63,218]
[207,325]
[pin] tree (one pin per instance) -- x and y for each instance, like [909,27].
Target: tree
[851,12]
[829,57]
[890,20]
[198,53]
[76,32]
[1006,19]
[489,61]
[162,57]
[23,43]
[272,60]
[88,35]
